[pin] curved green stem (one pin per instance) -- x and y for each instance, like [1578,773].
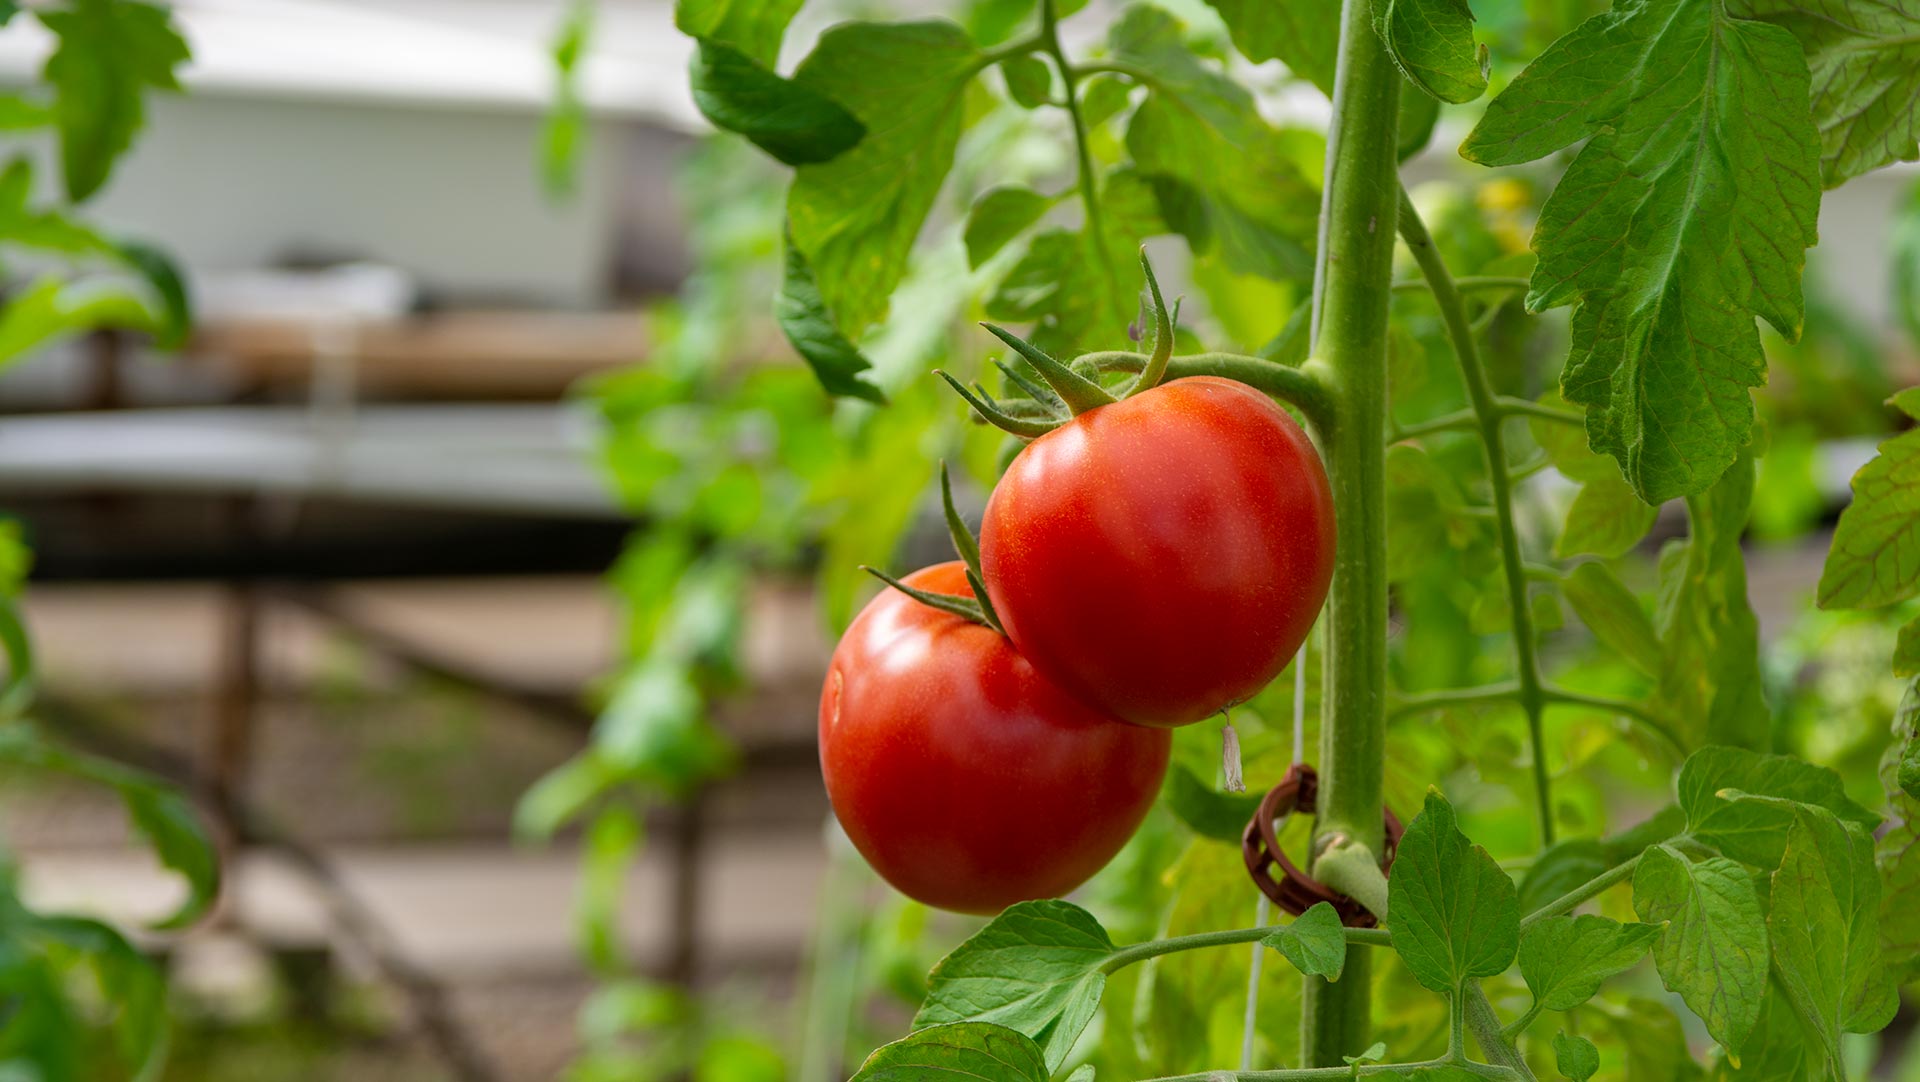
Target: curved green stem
[1295,386]
[1494,1044]
[1633,711]
[1050,42]
[1504,691]
[1489,411]
[1154,948]
[1316,1074]
[1010,50]
[1466,284]
[1581,894]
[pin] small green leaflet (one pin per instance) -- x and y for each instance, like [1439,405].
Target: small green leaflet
[1035,969]
[1875,558]
[1777,1050]
[1454,914]
[1660,232]
[106,57]
[1897,855]
[1575,1057]
[1607,519]
[53,308]
[1714,950]
[1906,649]
[998,216]
[1224,180]
[1755,831]
[855,217]
[958,1052]
[1316,942]
[1906,728]
[159,812]
[1710,640]
[804,318]
[1029,81]
[1431,41]
[1866,77]
[1207,811]
[1564,959]
[1825,923]
[734,83]
[1613,614]
[1302,34]
[795,125]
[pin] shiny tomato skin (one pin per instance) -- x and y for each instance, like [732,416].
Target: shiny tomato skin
[1163,557]
[968,780]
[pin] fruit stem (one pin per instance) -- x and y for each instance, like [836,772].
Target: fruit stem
[1352,283]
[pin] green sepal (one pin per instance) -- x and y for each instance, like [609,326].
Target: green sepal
[1001,420]
[1156,369]
[964,542]
[1077,391]
[965,608]
[1039,392]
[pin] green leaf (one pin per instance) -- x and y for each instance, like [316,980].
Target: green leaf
[1755,831]
[1668,250]
[1906,728]
[561,795]
[1103,97]
[1906,649]
[1607,519]
[1710,677]
[1825,925]
[958,1052]
[606,856]
[1431,41]
[1655,1043]
[175,317]
[1034,969]
[1897,854]
[855,217]
[46,230]
[1613,614]
[1418,114]
[565,128]
[654,728]
[1302,34]
[754,28]
[127,981]
[106,56]
[1316,942]
[158,811]
[804,319]
[1071,289]
[1454,914]
[53,308]
[794,124]
[1225,180]
[1866,78]
[1714,950]
[1207,811]
[1776,1051]
[998,216]
[1564,959]
[19,113]
[1029,80]
[1875,556]
[1575,1057]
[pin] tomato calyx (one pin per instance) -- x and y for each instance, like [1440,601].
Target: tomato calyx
[1068,389]
[978,608]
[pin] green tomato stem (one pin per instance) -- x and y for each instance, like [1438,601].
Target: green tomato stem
[1466,283]
[1353,276]
[1154,948]
[1486,1030]
[1489,413]
[1317,1074]
[1581,894]
[1295,386]
[1069,81]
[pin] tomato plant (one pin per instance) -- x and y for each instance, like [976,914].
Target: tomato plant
[1655,836]
[965,777]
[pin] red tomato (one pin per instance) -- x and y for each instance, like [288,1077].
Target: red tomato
[967,779]
[1163,557]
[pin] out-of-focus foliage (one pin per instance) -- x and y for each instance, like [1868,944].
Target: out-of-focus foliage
[83,1002]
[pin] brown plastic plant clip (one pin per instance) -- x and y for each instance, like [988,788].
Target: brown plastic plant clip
[1291,890]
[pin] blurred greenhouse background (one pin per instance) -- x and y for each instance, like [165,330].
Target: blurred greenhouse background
[483,439]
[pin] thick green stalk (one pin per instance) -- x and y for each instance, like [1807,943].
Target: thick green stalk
[1489,416]
[1352,285]
[1089,196]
